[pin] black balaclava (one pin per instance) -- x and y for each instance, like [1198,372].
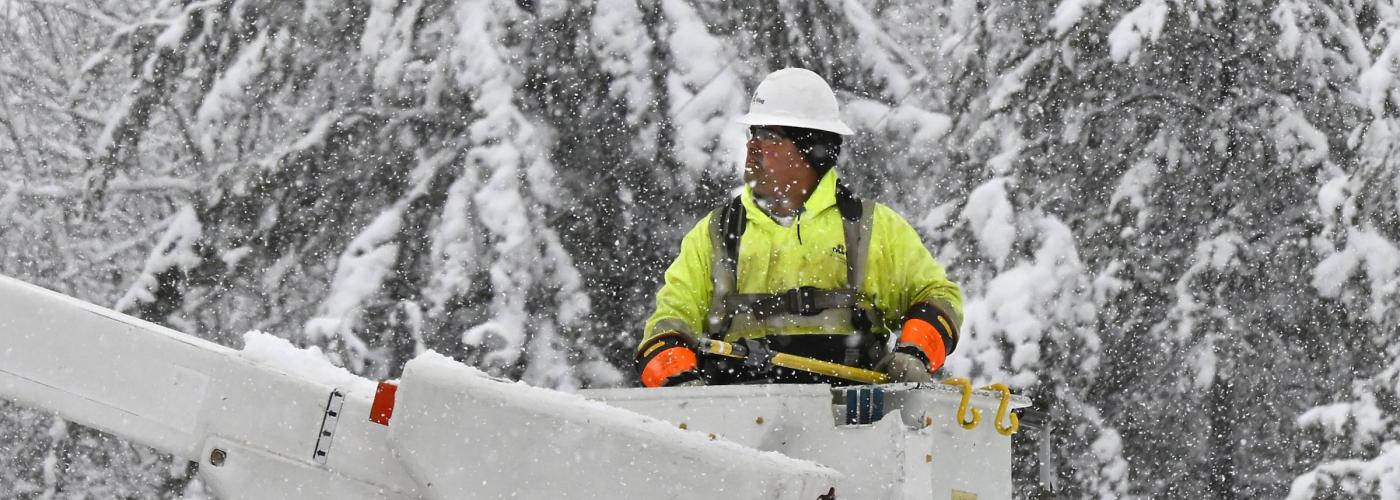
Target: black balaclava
[819,147]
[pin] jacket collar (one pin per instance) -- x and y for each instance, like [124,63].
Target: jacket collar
[822,198]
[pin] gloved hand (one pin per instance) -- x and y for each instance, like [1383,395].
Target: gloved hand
[668,359]
[929,334]
[905,367]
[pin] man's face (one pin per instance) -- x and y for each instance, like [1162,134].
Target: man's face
[774,167]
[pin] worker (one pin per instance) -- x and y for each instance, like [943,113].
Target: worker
[799,264]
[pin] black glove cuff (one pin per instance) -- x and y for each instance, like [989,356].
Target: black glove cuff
[947,331]
[682,378]
[914,351]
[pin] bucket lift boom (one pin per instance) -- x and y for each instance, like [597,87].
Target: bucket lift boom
[263,429]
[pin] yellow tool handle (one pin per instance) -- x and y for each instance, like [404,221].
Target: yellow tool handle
[830,369]
[719,347]
[817,366]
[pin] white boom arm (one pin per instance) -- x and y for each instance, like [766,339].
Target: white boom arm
[260,430]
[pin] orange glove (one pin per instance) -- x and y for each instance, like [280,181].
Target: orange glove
[668,359]
[928,334]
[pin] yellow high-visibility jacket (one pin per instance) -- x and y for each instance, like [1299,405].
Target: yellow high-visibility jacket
[811,252]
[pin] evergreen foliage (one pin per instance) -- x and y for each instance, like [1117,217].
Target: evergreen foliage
[1176,222]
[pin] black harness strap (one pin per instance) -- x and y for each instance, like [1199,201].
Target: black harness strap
[804,301]
[847,203]
[735,221]
[727,226]
[856,218]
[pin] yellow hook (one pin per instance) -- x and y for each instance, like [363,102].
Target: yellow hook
[966,386]
[1002,410]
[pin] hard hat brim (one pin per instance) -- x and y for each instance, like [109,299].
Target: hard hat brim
[833,126]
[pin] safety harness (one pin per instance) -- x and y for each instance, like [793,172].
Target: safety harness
[846,308]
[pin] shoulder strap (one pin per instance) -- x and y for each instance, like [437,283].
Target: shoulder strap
[856,219]
[735,221]
[727,224]
[847,203]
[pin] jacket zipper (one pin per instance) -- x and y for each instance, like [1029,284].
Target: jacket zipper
[798,223]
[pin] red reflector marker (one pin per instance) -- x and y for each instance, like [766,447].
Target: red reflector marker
[383,406]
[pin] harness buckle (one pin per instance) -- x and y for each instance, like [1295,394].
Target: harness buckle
[799,301]
[802,300]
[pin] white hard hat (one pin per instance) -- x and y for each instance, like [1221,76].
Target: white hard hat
[795,97]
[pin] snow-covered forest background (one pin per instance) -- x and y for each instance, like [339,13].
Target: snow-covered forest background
[1175,221]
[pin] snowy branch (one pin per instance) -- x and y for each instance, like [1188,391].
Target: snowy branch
[121,185]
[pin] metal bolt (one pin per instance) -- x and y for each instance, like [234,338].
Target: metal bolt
[217,457]
[683,426]
[758,421]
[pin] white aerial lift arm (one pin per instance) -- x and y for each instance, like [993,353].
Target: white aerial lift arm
[261,429]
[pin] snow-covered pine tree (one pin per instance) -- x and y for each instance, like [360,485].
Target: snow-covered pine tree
[1211,141]
[1143,126]
[434,187]
[1175,221]
[46,237]
[1032,302]
[1350,46]
[361,199]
